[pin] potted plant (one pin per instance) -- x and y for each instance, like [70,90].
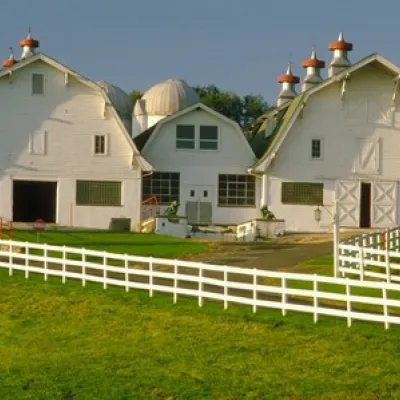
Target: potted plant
[266,213]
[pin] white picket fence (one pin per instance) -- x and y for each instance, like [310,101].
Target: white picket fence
[312,294]
[375,255]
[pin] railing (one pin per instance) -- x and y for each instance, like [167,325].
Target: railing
[6,229]
[312,294]
[374,255]
[150,208]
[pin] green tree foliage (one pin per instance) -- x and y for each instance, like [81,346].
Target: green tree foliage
[135,95]
[244,110]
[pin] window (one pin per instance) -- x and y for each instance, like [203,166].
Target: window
[38,143]
[185,137]
[163,185]
[99,144]
[236,190]
[37,84]
[316,149]
[208,137]
[98,193]
[302,193]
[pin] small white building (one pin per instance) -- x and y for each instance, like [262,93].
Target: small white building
[337,139]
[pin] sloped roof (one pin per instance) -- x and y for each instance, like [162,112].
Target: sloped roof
[299,101]
[143,164]
[141,139]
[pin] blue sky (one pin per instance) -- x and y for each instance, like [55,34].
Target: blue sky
[239,45]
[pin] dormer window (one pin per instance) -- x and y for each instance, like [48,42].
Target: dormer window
[37,84]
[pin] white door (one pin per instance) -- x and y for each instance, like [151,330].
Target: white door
[199,204]
[384,201]
[348,203]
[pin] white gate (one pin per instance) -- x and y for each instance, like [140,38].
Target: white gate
[384,201]
[348,203]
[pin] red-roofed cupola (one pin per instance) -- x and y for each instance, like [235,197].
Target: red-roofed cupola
[313,66]
[288,91]
[29,45]
[340,60]
[10,61]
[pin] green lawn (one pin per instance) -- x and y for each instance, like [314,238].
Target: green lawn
[68,342]
[130,243]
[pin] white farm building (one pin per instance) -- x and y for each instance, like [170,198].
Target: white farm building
[75,152]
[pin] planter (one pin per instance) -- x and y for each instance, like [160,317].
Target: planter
[172,226]
[260,229]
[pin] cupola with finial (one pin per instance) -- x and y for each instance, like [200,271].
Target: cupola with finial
[288,82]
[29,45]
[10,61]
[339,61]
[313,71]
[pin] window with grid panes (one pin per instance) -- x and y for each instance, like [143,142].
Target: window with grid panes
[208,137]
[302,193]
[98,193]
[236,190]
[185,137]
[164,185]
[316,149]
[99,144]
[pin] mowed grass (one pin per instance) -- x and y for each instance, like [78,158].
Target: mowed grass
[68,342]
[130,243]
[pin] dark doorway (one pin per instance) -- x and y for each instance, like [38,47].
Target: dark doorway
[365,205]
[33,200]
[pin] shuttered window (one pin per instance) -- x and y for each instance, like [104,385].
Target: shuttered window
[302,193]
[37,84]
[98,193]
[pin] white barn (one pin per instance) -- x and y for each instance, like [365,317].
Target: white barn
[339,139]
[73,153]
[66,155]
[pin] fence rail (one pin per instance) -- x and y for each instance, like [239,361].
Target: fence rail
[312,294]
[374,255]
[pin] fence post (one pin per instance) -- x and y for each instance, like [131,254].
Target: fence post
[105,270]
[255,290]
[225,288]
[126,272]
[200,285]
[27,261]
[284,296]
[45,260]
[64,257]
[387,259]
[151,277]
[361,263]
[348,301]
[83,267]
[315,288]
[385,307]
[10,271]
[175,281]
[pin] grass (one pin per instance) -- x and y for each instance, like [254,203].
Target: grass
[69,342]
[129,243]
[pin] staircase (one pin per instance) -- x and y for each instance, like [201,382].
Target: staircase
[149,209]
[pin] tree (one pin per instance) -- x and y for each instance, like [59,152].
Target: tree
[135,95]
[244,110]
